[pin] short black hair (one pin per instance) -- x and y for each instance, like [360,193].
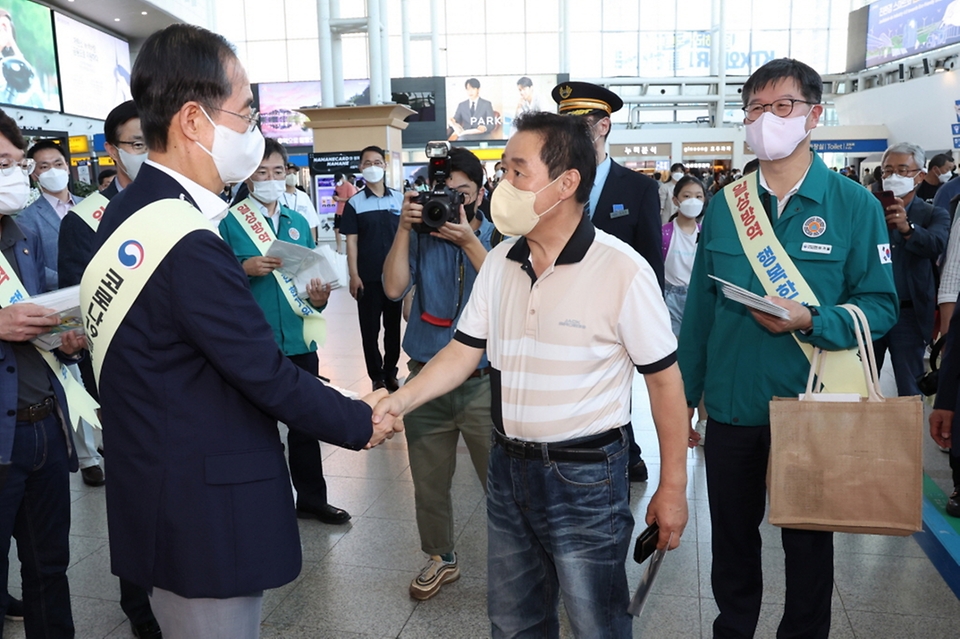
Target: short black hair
[178,64]
[43,145]
[751,166]
[939,160]
[337,177]
[809,81]
[677,166]
[685,181]
[10,130]
[525,82]
[271,146]
[472,82]
[106,173]
[566,144]
[373,149]
[120,115]
[467,163]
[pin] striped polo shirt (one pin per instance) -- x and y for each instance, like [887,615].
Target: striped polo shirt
[562,346]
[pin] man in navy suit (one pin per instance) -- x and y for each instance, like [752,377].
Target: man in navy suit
[36,448]
[918,235]
[43,217]
[474,115]
[199,507]
[623,203]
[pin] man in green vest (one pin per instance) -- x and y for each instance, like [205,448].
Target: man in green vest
[809,239]
[263,206]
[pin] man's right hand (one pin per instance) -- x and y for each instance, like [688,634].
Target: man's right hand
[411,213]
[384,425]
[356,286]
[261,265]
[24,321]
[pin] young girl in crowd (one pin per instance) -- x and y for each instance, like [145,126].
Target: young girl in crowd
[679,248]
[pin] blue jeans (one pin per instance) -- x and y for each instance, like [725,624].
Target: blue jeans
[558,529]
[676,299]
[35,508]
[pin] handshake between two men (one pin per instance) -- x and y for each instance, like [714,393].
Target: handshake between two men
[384,426]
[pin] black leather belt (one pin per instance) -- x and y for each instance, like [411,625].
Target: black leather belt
[480,372]
[36,412]
[585,451]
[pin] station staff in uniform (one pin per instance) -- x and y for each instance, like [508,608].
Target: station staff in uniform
[622,202]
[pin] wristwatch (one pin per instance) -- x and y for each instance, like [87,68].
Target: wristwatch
[910,232]
[813,313]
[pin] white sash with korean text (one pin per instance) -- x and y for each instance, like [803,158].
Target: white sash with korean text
[121,268]
[780,277]
[79,403]
[91,208]
[262,236]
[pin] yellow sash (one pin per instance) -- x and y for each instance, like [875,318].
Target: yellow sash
[91,209]
[780,277]
[79,403]
[262,236]
[121,268]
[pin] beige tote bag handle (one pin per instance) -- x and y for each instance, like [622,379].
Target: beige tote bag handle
[861,328]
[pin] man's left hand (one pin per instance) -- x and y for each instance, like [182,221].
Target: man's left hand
[72,342]
[800,317]
[318,292]
[460,234]
[669,509]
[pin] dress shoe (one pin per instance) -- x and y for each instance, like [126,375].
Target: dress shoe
[392,384]
[146,630]
[953,504]
[327,514]
[93,476]
[15,610]
[378,384]
[638,472]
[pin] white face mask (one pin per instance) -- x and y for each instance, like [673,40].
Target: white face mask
[236,155]
[131,162]
[14,191]
[498,174]
[269,191]
[677,176]
[944,177]
[774,138]
[54,180]
[899,184]
[373,174]
[691,207]
[513,210]
[290,180]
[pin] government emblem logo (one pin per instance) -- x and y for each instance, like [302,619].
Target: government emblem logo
[294,234]
[566,91]
[131,254]
[814,226]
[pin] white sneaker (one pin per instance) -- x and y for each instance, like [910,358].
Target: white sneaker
[436,573]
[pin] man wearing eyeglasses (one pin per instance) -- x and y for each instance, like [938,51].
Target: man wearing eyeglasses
[918,234]
[808,239]
[369,222]
[43,217]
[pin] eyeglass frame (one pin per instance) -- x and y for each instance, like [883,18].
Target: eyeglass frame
[905,173]
[134,144]
[793,105]
[27,165]
[252,120]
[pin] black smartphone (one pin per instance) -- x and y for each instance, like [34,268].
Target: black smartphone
[646,543]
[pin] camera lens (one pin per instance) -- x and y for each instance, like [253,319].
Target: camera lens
[435,213]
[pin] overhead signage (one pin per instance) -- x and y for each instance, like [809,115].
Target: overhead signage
[713,149]
[849,146]
[329,163]
[641,150]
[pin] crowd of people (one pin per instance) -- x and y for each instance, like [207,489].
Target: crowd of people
[527,314]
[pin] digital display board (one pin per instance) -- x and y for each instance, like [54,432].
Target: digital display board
[27,59]
[899,28]
[94,68]
[278,101]
[484,107]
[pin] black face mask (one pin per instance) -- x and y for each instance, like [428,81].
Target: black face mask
[470,210]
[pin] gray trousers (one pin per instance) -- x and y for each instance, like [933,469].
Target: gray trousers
[183,618]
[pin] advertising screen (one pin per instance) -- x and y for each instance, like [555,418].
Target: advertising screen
[278,101]
[484,108]
[898,28]
[94,68]
[27,60]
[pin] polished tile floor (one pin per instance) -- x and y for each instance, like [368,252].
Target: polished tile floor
[355,577]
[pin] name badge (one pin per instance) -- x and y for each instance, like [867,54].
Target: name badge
[810,247]
[619,211]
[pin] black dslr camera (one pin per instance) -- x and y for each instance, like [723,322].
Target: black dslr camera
[440,204]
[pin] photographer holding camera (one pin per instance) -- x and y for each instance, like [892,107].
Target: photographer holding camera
[439,247]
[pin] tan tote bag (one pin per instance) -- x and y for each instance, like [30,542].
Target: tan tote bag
[846,463]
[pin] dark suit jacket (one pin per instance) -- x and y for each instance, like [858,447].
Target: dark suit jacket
[199,499]
[482,114]
[31,265]
[40,219]
[76,245]
[640,228]
[918,256]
